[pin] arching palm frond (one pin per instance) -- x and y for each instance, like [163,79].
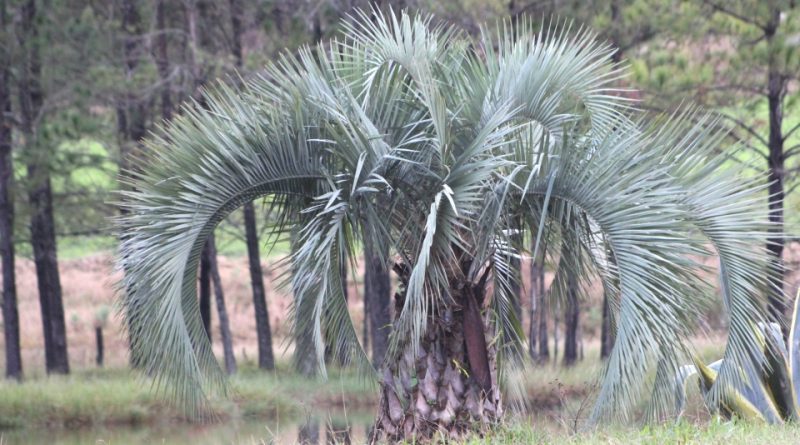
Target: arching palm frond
[209,162]
[443,150]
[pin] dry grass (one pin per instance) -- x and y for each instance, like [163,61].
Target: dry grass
[88,288]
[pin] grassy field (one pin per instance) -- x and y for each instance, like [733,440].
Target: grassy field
[93,404]
[712,432]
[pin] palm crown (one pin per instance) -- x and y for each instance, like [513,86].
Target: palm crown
[445,149]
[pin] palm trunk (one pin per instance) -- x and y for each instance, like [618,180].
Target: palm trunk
[222,311]
[450,385]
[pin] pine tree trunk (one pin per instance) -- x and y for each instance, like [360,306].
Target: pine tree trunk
[450,385]
[365,340]
[516,281]
[43,239]
[9,295]
[205,288]
[132,111]
[266,358]
[544,342]
[571,317]
[776,91]
[98,337]
[222,311]
[131,114]
[162,59]
[377,299]
[40,197]
[606,329]
[536,275]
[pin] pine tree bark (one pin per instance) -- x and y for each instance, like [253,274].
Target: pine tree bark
[776,91]
[450,385]
[537,288]
[516,281]
[377,302]
[204,295]
[131,113]
[541,318]
[9,295]
[222,311]
[607,337]
[98,337]
[40,195]
[571,318]
[608,334]
[266,358]
[162,59]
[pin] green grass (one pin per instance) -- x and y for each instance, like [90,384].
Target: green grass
[713,432]
[116,403]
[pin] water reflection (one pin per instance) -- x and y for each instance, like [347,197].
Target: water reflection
[332,427]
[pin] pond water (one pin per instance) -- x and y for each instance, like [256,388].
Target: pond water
[317,428]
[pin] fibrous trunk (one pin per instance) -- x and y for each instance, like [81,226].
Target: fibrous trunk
[449,386]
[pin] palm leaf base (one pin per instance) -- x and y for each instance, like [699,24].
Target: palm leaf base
[449,386]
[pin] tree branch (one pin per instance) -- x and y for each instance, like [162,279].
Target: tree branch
[791,151]
[746,127]
[720,8]
[789,133]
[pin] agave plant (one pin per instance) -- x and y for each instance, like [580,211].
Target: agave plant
[770,391]
[448,152]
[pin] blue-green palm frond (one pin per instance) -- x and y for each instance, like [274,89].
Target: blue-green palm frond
[442,150]
[208,163]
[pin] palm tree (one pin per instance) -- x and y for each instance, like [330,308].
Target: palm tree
[451,153]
